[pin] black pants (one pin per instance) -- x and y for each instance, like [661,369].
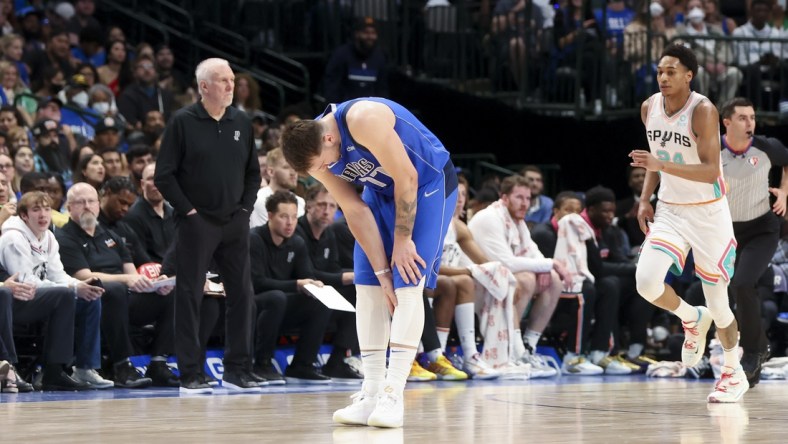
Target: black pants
[757,240]
[304,312]
[346,337]
[122,308]
[636,312]
[198,242]
[429,336]
[54,306]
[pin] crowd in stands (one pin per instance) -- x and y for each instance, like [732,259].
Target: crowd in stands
[86,243]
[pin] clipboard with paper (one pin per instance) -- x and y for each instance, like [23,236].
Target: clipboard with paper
[330,297]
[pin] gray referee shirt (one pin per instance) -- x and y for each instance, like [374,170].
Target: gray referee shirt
[747,174]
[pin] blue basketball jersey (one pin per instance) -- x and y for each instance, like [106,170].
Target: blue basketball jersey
[357,165]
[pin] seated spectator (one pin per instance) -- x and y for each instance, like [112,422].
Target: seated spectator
[12,49]
[23,164]
[117,195]
[151,218]
[128,298]
[280,270]
[83,18]
[576,35]
[77,115]
[138,157]
[283,178]
[113,163]
[627,208]
[89,72]
[455,295]
[56,54]
[89,50]
[9,174]
[48,184]
[358,68]
[314,228]
[50,155]
[501,233]
[600,208]
[102,101]
[52,81]
[247,94]
[7,207]
[30,252]
[481,200]
[758,58]
[144,94]
[108,137]
[715,73]
[90,170]
[713,16]
[541,206]
[170,78]
[12,87]
[116,74]
[649,27]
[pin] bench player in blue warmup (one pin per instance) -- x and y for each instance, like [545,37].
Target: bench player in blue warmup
[399,222]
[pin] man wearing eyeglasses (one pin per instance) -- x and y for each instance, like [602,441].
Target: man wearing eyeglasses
[88,250]
[144,95]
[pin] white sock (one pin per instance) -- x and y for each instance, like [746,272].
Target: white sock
[635,350]
[686,312]
[596,355]
[464,317]
[433,355]
[443,336]
[400,361]
[374,364]
[532,338]
[518,348]
[730,358]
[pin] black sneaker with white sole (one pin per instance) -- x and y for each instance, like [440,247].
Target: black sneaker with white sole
[295,374]
[341,372]
[195,385]
[269,373]
[240,381]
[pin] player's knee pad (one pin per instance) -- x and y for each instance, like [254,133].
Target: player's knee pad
[718,305]
[650,275]
[650,285]
[407,324]
[373,321]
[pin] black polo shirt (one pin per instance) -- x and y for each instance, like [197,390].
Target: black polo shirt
[130,239]
[155,233]
[345,243]
[323,252]
[277,267]
[208,165]
[103,252]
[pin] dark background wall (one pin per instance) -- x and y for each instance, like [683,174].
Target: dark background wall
[589,153]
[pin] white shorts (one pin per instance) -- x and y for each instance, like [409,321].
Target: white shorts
[707,229]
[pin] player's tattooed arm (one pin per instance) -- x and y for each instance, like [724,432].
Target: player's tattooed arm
[406,216]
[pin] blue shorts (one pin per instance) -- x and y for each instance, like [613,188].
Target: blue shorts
[434,210]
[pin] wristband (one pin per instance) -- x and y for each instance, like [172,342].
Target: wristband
[383,271]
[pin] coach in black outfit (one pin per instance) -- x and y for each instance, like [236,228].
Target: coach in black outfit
[281,268]
[152,218]
[315,229]
[208,170]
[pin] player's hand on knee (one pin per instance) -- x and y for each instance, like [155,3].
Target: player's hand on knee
[407,260]
[387,285]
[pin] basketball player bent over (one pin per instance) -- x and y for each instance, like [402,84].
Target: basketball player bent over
[682,128]
[399,222]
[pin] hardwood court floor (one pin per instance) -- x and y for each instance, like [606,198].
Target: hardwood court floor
[570,410]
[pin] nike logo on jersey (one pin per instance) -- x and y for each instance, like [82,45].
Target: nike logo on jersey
[426,194]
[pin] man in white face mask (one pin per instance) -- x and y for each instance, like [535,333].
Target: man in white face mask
[81,119]
[715,76]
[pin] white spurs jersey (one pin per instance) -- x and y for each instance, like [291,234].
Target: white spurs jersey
[671,139]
